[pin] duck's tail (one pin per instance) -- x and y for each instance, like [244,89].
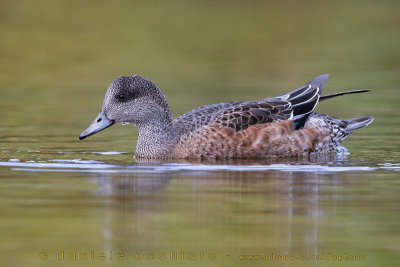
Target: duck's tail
[332,131]
[354,123]
[305,99]
[357,123]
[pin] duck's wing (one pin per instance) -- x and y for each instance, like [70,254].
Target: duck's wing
[201,116]
[245,114]
[296,105]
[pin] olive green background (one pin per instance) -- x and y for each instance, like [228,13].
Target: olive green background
[57,60]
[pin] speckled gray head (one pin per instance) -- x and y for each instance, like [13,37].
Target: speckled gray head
[131,99]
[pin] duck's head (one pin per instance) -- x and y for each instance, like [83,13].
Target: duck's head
[131,99]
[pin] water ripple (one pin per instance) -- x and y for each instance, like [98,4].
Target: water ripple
[390,166]
[79,165]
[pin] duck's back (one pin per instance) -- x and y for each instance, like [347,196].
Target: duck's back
[283,126]
[236,129]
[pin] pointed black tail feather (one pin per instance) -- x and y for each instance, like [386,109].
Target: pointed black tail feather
[357,123]
[325,97]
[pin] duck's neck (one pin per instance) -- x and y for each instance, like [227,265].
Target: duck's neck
[156,138]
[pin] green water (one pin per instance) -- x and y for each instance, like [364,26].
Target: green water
[59,195]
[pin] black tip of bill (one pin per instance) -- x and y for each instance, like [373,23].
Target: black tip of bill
[100,123]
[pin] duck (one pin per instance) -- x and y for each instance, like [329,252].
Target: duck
[281,126]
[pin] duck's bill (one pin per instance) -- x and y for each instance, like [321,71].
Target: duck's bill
[100,123]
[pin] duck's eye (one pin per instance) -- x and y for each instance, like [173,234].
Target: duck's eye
[121,97]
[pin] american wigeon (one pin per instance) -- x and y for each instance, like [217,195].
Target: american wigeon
[282,126]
